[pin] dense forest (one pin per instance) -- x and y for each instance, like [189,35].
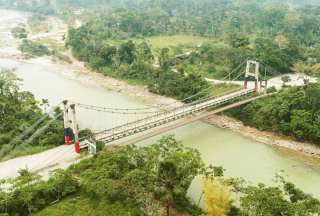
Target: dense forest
[116,38]
[151,180]
[294,111]
[18,111]
[283,38]
[275,35]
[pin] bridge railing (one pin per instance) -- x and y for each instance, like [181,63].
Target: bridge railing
[90,145]
[161,113]
[156,115]
[166,117]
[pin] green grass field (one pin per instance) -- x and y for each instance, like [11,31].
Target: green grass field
[159,42]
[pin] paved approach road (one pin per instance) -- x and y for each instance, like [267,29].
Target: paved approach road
[41,163]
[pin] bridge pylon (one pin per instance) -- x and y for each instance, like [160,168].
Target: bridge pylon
[66,123]
[71,130]
[75,129]
[254,74]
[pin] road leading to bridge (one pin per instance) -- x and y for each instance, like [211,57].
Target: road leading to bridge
[42,163]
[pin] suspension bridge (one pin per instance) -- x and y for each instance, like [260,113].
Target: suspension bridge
[150,121]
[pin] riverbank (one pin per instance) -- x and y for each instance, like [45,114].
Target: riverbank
[85,75]
[268,138]
[76,70]
[79,72]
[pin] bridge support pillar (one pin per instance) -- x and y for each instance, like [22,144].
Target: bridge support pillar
[66,123]
[75,129]
[254,74]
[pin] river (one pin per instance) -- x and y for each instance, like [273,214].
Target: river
[240,156]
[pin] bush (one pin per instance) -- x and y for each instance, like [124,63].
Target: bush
[271,89]
[286,79]
[31,194]
[31,48]
[19,32]
[23,111]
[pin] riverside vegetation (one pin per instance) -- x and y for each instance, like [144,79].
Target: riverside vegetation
[116,43]
[151,180]
[18,111]
[294,112]
[119,40]
[156,179]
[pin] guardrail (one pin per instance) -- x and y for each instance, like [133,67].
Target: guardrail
[90,145]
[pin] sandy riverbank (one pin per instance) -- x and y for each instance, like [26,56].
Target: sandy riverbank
[77,70]
[87,76]
[265,137]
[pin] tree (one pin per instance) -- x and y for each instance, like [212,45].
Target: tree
[264,201]
[19,32]
[31,48]
[18,111]
[299,68]
[177,168]
[238,40]
[293,112]
[132,176]
[127,52]
[285,199]
[285,79]
[23,188]
[166,192]
[217,197]
[63,183]
[146,52]
[164,59]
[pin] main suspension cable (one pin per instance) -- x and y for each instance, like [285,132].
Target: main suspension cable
[117,110]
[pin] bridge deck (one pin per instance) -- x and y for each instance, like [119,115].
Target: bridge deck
[163,118]
[185,121]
